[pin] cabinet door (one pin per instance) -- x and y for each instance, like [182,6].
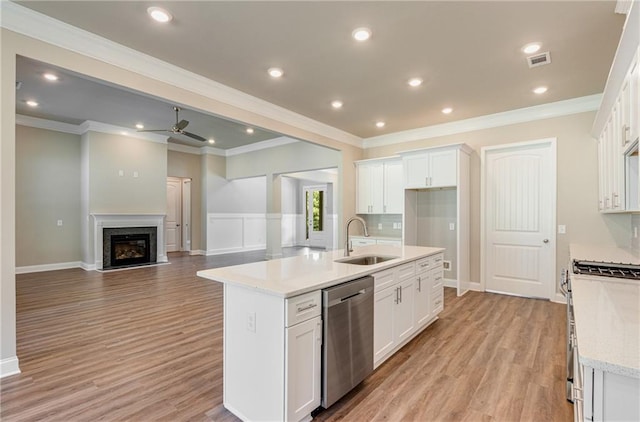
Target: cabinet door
[442,168]
[302,371]
[376,188]
[403,316]
[363,191]
[393,188]
[422,305]
[415,170]
[383,307]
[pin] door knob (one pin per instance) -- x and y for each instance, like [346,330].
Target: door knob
[177,225]
[546,241]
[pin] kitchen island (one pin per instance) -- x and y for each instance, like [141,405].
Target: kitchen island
[273,325]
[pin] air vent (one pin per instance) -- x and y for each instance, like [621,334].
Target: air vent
[539,59]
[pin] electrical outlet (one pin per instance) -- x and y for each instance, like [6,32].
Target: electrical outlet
[379,226]
[135,174]
[59,223]
[562,229]
[120,173]
[399,225]
[251,322]
[452,226]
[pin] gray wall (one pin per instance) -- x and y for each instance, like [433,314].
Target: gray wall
[47,190]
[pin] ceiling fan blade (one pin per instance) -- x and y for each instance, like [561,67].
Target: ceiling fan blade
[153,130]
[194,136]
[182,124]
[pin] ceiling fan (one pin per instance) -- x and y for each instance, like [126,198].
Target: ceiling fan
[177,128]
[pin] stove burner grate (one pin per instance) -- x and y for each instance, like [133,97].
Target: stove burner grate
[607,269]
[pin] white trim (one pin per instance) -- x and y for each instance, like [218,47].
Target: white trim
[269,143]
[554,203]
[224,251]
[197,252]
[30,23]
[9,366]
[88,267]
[38,123]
[91,126]
[48,267]
[521,115]
[559,298]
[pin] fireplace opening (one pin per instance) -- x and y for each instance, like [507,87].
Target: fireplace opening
[129,249]
[129,246]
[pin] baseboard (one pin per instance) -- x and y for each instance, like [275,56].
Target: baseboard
[211,252]
[9,366]
[48,267]
[88,267]
[559,298]
[197,252]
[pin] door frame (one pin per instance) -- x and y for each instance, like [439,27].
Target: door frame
[185,213]
[310,188]
[552,142]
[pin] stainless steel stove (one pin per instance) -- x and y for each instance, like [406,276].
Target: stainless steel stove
[607,269]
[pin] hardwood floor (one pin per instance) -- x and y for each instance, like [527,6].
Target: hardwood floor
[146,344]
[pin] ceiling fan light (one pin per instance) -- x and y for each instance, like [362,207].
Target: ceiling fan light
[380,124]
[415,82]
[540,90]
[447,110]
[159,14]
[336,104]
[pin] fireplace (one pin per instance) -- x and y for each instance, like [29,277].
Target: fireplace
[129,246]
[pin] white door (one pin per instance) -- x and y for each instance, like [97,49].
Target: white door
[186,214]
[172,231]
[315,216]
[519,182]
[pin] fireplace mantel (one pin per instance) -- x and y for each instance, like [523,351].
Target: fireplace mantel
[101,221]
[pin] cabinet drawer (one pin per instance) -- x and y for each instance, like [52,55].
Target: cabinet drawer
[406,271]
[430,262]
[384,279]
[437,302]
[436,260]
[389,242]
[436,278]
[303,307]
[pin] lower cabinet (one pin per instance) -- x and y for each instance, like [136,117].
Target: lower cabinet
[609,397]
[302,369]
[404,303]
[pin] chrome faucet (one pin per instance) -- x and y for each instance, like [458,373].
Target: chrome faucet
[347,248]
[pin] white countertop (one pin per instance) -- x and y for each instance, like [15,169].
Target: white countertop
[607,314]
[296,275]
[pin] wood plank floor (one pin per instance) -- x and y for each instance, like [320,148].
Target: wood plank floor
[146,345]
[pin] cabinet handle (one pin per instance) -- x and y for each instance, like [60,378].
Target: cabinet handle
[397,296]
[419,284]
[384,208]
[400,288]
[600,205]
[306,308]
[606,203]
[625,131]
[615,203]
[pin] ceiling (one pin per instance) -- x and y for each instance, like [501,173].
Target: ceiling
[468,54]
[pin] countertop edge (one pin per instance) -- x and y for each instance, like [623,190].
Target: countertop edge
[608,366]
[363,271]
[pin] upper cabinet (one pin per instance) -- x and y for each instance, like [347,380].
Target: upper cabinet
[430,168]
[617,125]
[379,186]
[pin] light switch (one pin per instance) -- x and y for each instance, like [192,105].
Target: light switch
[251,322]
[562,229]
[120,173]
[135,174]
[59,223]
[379,226]
[452,226]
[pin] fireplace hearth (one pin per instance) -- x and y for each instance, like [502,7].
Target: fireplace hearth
[129,246]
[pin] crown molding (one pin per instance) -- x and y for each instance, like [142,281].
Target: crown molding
[36,122]
[270,143]
[521,115]
[91,126]
[44,28]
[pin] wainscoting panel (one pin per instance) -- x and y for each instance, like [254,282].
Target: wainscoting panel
[235,232]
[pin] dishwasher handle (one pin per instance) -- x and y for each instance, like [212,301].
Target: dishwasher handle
[340,300]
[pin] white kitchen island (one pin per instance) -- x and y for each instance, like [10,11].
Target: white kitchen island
[273,324]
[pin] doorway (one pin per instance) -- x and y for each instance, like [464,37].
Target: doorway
[315,206]
[518,218]
[178,221]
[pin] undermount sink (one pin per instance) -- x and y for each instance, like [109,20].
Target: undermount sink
[366,259]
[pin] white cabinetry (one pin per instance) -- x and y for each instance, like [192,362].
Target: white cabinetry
[437,209]
[430,168]
[609,396]
[372,240]
[379,186]
[303,357]
[617,124]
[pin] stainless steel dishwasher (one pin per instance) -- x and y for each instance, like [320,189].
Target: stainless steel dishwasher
[347,351]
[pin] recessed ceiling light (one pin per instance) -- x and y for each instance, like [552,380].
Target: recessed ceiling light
[50,77]
[361,34]
[139,126]
[249,130]
[414,82]
[276,72]
[380,124]
[32,103]
[123,133]
[531,48]
[447,110]
[540,90]
[212,141]
[336,104]
[159,14]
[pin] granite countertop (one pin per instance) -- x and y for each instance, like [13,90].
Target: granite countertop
[296,275]
[607,314]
